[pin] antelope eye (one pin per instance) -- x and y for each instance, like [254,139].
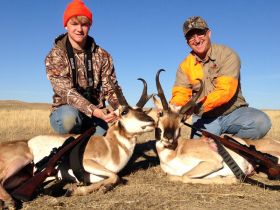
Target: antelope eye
[124,112]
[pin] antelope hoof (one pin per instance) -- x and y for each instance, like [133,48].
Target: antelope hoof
[71,190]
[108,188]
[1,204]
[8,205]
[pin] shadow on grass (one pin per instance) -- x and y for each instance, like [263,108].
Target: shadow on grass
[140,160]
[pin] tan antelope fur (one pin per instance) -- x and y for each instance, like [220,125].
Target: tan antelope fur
[14,156]
[190,160]
[103,157]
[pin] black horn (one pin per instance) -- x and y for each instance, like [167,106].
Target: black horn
[144,97]
[160,91]
[192,102]
[118,93]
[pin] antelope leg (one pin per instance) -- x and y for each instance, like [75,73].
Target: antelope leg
[195,176]
[203,169]
[110,179]
[213,180]
[6,201]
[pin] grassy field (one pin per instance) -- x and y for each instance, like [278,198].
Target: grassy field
[147,186]
[24,120]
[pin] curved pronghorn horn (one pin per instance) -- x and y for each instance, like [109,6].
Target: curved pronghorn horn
[118,93]
[144,97]
[160,91]
[192,102]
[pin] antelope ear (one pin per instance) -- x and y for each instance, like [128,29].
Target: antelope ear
[157,103]
[175,108]
[148,111]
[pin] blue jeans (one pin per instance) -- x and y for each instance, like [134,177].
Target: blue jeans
[67,119]
[244,122]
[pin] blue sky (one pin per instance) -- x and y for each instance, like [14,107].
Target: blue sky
[142,37]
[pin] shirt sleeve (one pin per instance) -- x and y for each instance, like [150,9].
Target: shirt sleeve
[226,83]
[108,70]
[181,91]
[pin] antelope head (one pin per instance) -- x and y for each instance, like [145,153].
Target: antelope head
[169,120]
[133,119]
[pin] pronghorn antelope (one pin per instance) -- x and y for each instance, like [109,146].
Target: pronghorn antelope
[188,160]
[103,157]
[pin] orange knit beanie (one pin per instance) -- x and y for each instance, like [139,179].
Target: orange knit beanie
[76,8]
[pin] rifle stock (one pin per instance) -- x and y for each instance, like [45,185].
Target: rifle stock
[262,161]
[26,191]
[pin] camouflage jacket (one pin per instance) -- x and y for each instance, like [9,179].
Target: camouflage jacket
[60,75]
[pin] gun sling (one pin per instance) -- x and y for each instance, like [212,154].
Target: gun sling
[71,57]
[226,157]
[231,163]
[76,161]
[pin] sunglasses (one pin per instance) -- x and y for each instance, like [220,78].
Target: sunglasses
[199,33]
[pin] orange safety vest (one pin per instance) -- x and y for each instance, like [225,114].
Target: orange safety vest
[224,86]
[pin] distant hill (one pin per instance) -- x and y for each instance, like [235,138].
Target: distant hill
[14,104]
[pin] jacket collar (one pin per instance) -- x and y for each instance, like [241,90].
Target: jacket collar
[60,42]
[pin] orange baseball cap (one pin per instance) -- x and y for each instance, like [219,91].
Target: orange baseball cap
[76,8]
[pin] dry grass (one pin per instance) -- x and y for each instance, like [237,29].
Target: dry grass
[24,123]
[275,119]
[23,120]
[147,187]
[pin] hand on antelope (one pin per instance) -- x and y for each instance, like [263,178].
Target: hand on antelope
[109,116]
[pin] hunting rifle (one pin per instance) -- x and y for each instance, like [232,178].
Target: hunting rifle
[26,191]
[262,162]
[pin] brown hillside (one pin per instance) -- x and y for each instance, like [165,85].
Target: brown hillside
[14,104]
